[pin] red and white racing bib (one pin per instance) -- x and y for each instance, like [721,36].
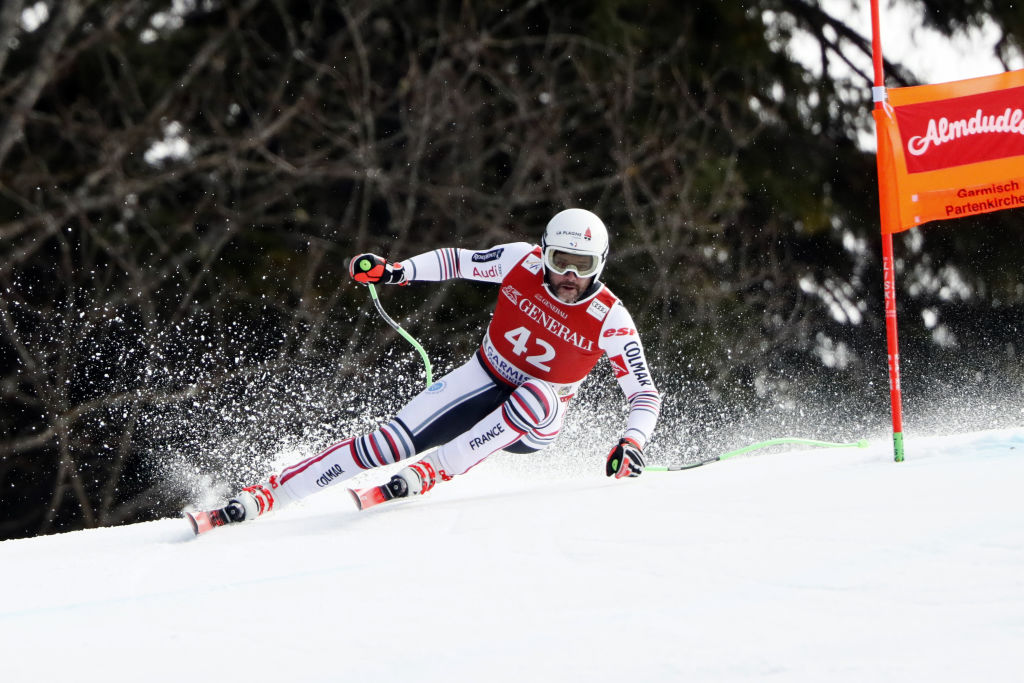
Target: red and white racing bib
[535,335]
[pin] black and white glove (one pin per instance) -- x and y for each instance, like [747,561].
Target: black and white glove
[370,269]
[625,460]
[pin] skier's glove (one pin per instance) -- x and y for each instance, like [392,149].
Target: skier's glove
[371,269]
[625,460]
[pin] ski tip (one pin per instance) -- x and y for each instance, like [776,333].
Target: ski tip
[369,497]
[205,521]
[192,521]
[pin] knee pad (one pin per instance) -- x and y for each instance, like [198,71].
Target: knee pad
[532,409]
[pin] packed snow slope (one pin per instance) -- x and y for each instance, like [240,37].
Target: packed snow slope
[801,565]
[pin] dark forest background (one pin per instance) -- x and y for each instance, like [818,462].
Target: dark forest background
[181,185]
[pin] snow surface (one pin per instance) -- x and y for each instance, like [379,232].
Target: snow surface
[800,565]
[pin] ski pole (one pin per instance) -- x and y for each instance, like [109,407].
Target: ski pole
[863,443]
[398,328]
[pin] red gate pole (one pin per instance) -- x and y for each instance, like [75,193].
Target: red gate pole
[889,220]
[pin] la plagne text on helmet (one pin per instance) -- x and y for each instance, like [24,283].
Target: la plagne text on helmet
[943,130]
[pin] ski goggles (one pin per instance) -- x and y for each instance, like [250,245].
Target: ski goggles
[561,262]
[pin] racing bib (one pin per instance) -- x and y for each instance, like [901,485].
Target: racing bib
[535,335]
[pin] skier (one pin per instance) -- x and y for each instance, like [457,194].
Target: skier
[553,320]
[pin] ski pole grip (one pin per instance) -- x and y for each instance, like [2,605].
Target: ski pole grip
[367,268]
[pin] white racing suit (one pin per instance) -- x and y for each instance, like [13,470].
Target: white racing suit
[513,393]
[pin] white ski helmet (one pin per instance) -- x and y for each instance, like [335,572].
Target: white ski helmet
[577,232]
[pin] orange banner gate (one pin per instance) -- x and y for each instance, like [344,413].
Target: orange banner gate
[955,149]
[944,151]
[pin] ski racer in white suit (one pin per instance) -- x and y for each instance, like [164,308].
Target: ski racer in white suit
[552,322]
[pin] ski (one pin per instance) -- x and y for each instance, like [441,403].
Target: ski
[368,497]
[203,521]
